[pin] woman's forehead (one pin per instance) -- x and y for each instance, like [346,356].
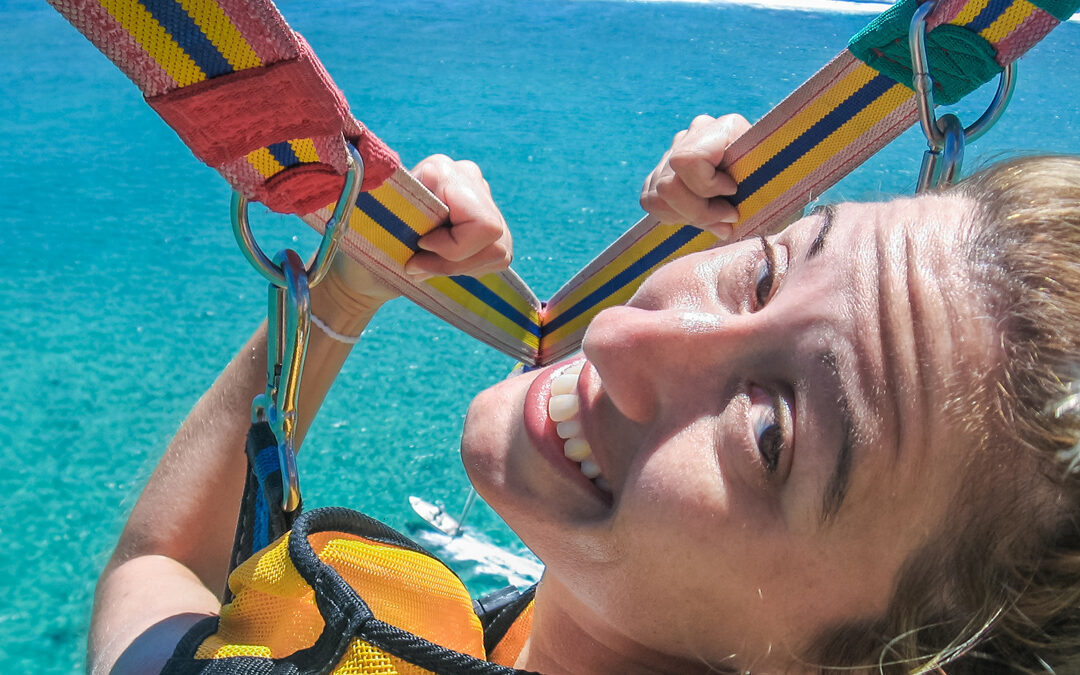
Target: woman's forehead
[912,334]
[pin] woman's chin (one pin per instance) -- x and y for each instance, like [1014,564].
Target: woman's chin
[492,425]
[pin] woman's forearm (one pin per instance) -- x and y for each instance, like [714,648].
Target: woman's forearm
[171,561]
[188,508]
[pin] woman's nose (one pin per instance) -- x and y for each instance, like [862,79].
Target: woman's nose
[646,357]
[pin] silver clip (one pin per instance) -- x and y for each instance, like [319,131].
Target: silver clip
[288,327]
[946,137]
[289,321]
[942,166]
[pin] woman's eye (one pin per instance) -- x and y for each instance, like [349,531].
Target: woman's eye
[765,277]
[770,422]
[769,437]
[763,283]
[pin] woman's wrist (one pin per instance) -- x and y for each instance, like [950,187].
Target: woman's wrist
[344,310]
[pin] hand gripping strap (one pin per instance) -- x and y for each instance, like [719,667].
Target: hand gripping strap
[384,228]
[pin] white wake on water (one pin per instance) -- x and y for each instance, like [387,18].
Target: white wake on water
[473,555]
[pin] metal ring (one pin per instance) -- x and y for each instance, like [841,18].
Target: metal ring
[332,235]
[334,232]
[923,84]
[1002,97]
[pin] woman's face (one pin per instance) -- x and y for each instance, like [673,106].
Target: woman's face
[769,424]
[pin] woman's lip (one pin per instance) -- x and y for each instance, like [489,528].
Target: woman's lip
[542,430]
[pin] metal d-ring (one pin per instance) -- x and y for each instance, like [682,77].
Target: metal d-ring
[331,235]
[923,83]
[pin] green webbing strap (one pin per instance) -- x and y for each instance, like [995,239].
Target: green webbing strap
[960,59]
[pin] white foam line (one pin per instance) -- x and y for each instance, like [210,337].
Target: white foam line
[836,6]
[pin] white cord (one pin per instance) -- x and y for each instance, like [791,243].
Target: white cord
[333,334]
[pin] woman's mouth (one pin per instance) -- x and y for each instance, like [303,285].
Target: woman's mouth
[563,408]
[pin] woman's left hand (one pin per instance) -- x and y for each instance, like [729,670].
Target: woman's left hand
[475,241]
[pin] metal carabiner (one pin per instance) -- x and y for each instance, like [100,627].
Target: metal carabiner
[288,328]
[332,235]
[937,130]
[289,321]
[942,167]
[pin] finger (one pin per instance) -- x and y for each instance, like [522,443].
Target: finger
[656,173]
[656,207]
[463,238]
[702,176]
[654,204]
[494,258]
[698,158]
[475,221]
[695,210]
[722,231]
[711,139]
[651,200]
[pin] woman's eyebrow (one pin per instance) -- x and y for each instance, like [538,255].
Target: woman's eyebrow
[836,488]
[827,211]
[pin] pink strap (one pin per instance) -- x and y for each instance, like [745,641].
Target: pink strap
[225,118]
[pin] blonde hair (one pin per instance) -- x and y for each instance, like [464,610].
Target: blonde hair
[997,590]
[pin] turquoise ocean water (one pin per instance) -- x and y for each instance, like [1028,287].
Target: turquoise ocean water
[126,294]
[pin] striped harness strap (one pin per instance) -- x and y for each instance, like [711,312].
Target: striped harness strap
[247,95]
[828,126]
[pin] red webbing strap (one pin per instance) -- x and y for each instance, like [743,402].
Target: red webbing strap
[242,90]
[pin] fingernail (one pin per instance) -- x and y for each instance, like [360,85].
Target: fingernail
[420,277]
[722,231]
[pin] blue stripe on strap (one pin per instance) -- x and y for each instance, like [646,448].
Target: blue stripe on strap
[821,129]
[988,15]
[673,243]
[284,154]
[389,222]
[492,299]
[179,24]
[260,538]
[266,463]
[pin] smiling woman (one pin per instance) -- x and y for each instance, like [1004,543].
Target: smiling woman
[842,445]
[848,445]
[740,431]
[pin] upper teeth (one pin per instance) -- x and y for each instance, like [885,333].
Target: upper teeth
[563,406]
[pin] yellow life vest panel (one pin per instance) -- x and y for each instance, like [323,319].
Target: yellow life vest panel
[342,593]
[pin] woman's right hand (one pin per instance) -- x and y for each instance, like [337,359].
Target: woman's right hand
[686,186]
[474,241]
